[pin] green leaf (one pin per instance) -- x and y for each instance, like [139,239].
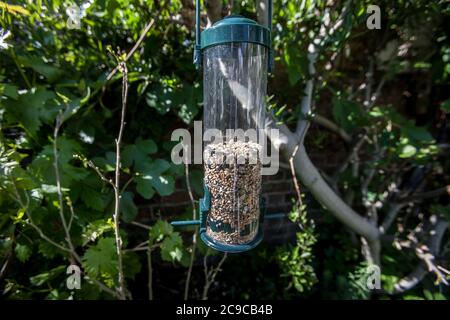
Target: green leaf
[92,198]
[37,64]
[151,178]
[48,250]
[160,230]
[164,185]
[29,109]
[101,258]
[144,188]
[197,181]
[418,134]
[23,252]
[42,165]
[95,229]
[296,62]
[128,208]
[131,264]
[347,114]
[8,90]
[407,151]
[46,188]
[172,248]
[137,153]
[42,278]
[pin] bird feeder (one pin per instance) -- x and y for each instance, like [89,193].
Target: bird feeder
[235,56]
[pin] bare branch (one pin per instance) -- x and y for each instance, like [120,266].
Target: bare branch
[330,125]
[351,156]
[150,273]
[210,275]
[420,196]
[261,12]
[394,209]
[141,225]
[311,179]
[59,121]
[313,50]
[417,275]
[213,10]
[194,236]
[100,174]
[117,195]
[294,176]
[137,44]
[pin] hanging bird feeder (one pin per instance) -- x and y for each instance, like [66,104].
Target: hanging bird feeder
[236,56]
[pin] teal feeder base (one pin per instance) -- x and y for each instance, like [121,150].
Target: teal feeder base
[230,248]
[205,205]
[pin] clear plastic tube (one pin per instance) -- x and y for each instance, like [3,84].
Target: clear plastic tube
[234,86]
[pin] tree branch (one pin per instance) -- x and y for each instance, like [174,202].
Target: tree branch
[417,275]
[59,121]
[210,275]
[307,172]
[261,12]
[330,125]
[117,195]
[194,236]
[213,10]
[419,196]
[136,45]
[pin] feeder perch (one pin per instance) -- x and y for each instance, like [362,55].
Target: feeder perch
[235,55]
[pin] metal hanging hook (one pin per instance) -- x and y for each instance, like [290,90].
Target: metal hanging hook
[197,49]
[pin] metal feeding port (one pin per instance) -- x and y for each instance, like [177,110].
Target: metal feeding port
[235,54]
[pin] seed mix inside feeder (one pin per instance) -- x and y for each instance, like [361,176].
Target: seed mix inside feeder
[233,176]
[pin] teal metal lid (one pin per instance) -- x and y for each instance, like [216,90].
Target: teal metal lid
[235,29]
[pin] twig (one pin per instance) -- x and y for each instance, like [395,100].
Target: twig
[100,174]
[330,125]
[150,273]
[194,236]
[351,156]
[72,212]
[125,186]
[369,84]
[136,45]
[294,176]
[59,121]
[141,225]
[71,249]
[210,275]
[24,206]
[417,275]
[117,195]
[419,196]
[313,51]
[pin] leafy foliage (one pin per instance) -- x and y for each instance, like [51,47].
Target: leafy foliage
[49,71]
[296,261]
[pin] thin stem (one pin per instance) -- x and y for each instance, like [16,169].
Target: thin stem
[141,225]
[27,82]
[210,275]
[194,237]
[59,121]
[136,45]
[150,273]
[117,195]
[99,173]
[294,177]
